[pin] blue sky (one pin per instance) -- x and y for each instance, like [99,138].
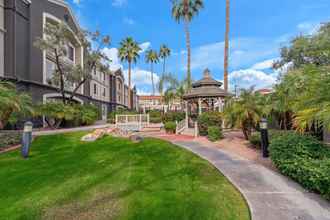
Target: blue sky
[258,29]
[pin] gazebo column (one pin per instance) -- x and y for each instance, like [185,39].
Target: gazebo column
[220,105]
[199,106]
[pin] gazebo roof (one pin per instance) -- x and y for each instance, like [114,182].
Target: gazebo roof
[207,87]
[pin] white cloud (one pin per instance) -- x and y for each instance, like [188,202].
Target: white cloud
[119,3]
[112,54]
[267,64]
[309,28]
[76,1]
[141,77]
[243,52]
[250,77]
[129,21]
[144,46]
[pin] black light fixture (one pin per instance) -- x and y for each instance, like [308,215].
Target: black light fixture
[264,137]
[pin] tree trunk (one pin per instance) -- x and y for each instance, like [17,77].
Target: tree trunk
[188,54]
[129,84]
[226,53]
[152,79]
[164,66]
[245,132]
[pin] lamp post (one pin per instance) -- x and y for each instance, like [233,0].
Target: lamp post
[264,137]
[26,139]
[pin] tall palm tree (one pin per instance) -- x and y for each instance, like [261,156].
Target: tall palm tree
[152,57]
[129,51]
[164,52]
[226,53]
[168,80]
[185,10]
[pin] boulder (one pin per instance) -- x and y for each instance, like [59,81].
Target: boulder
[136,138]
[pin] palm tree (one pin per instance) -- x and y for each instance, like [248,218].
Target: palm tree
[168,80]
[185,10]
[164,52]
[129,52]
[226,54]
[152,57]
[244,113]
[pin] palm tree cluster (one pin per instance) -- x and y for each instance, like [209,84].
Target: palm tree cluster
[300,100]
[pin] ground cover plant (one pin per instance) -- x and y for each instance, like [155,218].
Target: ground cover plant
[304,159]
[114,178]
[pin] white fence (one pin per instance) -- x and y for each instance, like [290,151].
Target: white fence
[132,122]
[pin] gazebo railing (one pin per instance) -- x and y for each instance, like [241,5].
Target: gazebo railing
[132,122]
[181,126]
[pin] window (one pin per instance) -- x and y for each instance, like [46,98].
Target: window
[70,53]
[50,70]
[95,89]
[103,92]
[103,76]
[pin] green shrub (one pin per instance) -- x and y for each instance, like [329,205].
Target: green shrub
[214,133]
[155,116]
[207,120]
[255,140]
[304,159]
[86,114]
[173,116]
[170,127]
[9,139]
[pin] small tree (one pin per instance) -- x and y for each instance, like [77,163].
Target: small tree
[13,103]
[55,41]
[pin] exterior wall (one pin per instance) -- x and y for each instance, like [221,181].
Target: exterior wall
[2,37]
[21,23]
[100,81]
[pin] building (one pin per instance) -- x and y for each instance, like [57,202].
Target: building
[150,102]
[21,23]
[265,91]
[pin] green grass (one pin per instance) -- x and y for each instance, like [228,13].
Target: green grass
[114,178]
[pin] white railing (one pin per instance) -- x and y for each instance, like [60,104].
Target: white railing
[132,122]
[181,126]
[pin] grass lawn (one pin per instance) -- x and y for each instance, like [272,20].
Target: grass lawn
[114,178]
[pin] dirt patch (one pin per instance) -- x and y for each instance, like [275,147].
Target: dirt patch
[102,207]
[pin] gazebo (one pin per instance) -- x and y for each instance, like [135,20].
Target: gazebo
[205,95]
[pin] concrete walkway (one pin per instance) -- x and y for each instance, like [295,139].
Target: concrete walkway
[270,195]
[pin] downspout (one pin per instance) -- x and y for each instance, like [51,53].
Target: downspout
[14,42]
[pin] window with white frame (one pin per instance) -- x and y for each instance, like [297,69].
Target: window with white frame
[50,70]
[70,52]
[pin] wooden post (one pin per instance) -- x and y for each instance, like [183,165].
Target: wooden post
[199,106]
[116,121]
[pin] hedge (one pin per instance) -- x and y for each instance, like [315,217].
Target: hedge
[208,119]
[214,133]
[170,127]
[255,138]
[304,159]
[8,139]
[173,116]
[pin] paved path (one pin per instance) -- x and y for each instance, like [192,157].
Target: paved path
[270,195]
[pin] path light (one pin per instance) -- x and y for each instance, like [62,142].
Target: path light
[264,137]
[26,139]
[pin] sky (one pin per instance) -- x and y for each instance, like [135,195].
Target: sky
[259,29]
